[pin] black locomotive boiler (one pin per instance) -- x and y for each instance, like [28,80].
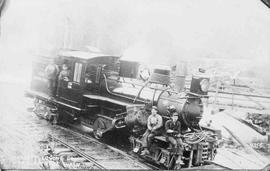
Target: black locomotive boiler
[107,94]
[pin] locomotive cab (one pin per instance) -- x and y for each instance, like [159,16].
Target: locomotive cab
[85,93]
[70,90]
[82,95]
[85,75]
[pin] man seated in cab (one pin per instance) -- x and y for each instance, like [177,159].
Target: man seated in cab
[173,131]
[64,74]
[154,126]
[63,78]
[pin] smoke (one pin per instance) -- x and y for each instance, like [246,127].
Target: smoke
[159,32]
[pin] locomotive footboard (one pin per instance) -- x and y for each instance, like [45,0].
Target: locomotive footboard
[194,153]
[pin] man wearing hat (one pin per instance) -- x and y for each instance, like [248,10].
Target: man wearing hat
[173,130]
[65,73]
[51,72]
[154,125]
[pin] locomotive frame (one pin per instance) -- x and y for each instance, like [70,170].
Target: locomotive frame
[95,96]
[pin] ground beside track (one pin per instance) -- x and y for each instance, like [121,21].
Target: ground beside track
[24,137]
[22,134]
[20,130]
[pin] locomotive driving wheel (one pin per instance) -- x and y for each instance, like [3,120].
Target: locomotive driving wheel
[98,128]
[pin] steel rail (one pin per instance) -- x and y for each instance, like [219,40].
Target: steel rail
[133,159]
[87,157]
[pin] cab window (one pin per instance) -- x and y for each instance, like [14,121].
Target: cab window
[77,72]
[90,73]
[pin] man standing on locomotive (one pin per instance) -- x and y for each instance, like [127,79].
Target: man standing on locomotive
[154,125]
[173,131]
[51,72]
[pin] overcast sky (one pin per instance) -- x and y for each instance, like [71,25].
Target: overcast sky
[141,30]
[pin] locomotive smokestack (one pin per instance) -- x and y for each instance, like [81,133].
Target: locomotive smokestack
[180,74]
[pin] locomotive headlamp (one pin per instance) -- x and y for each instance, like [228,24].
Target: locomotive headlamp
[199,85]
[204,85]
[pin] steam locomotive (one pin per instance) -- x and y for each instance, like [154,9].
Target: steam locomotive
[106,94]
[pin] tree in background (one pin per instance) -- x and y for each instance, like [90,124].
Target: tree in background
[266,2]
[3,4]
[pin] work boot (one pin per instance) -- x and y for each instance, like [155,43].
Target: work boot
[179,161]
[170,147]
[144,152]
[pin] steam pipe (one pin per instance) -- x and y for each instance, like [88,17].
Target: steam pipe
[115,94]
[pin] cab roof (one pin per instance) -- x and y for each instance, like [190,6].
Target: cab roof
[82,54]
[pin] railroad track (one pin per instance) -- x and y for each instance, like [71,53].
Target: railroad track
[84,157]
[92,153]
[89,153]
[86,147]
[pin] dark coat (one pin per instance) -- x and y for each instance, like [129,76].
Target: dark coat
[176,127]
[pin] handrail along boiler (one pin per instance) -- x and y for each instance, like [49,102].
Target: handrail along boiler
[105,93]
